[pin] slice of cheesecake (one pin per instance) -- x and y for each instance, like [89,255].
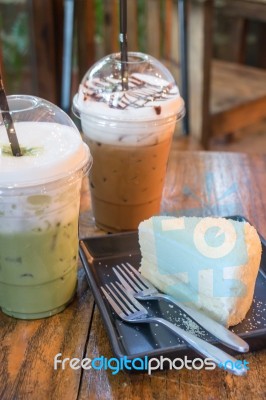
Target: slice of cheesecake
[208,263]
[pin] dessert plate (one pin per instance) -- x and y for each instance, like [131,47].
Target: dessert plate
[152,340]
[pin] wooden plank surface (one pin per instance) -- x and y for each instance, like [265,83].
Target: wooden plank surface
[236,48]
[27,348]
[85,29]
[251,139]
[168,25]
[226,97]
[238,96]
[109,26]
[153,28]
[43,36]
[132,25]
[251,9]
[244,115]
[233,85]
[199,54]
[189,169]
[167,385]
[175,51]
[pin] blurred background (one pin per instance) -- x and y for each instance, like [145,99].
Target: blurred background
[46,46]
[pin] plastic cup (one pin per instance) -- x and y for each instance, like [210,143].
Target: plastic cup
[39,209]
[129,133]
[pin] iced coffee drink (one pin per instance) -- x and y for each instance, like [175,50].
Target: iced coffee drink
[129,133]
[39,208]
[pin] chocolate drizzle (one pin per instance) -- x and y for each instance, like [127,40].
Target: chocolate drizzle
[158,110]
[140,93]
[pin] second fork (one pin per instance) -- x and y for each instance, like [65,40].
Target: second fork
[131,311]
[142,289]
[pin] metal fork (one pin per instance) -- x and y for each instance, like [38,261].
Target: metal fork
[130,310]
[142,289]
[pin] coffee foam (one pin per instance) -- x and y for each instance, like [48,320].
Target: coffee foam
[58,152]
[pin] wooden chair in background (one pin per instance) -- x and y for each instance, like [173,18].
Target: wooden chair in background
[224,96]
[159,26]
[163,35]
[59,27]
[53,24]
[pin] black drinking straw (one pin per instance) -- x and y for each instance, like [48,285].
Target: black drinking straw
[123,43]
[8,122]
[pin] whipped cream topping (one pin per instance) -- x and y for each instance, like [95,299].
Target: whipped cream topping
[147,97]
[52,151]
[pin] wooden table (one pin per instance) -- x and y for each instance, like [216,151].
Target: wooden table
[197,183]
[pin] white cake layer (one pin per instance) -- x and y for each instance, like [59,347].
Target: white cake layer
[209,263]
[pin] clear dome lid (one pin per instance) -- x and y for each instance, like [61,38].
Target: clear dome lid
[50,143]
[142,88]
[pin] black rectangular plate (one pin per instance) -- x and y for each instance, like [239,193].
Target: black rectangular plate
[152,340]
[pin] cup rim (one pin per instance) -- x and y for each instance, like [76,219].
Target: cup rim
[140,58]
[135,58]
[102,119]
[23,103]
[82,169]
[33,102]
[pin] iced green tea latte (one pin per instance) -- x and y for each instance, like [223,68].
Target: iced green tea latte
[39,208]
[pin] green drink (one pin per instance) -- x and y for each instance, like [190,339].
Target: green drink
[39,211]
